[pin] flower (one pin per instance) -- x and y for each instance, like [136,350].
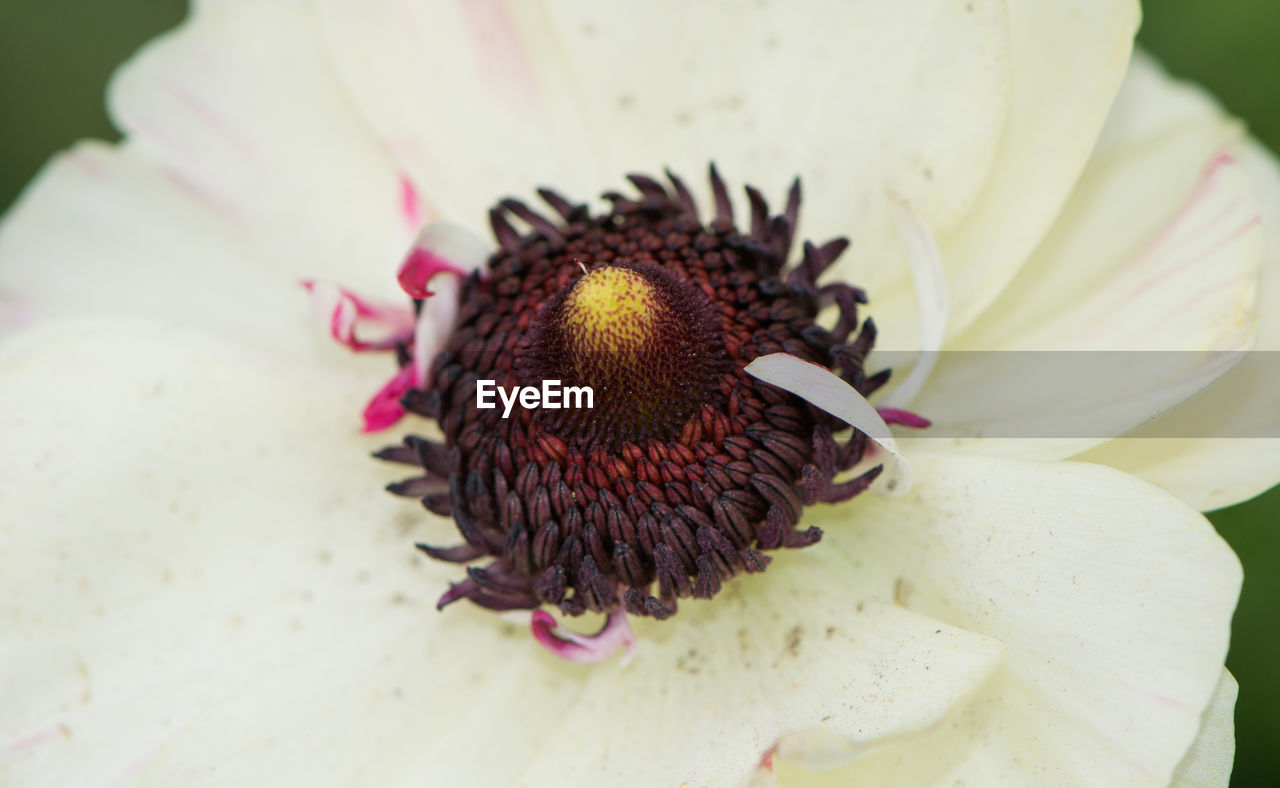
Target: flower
[204,582]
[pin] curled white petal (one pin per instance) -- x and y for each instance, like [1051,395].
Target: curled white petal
[440,257]
[823,388]
[931,298]
[440,247]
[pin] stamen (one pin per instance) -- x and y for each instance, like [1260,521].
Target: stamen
[823,388]
[584,649]
[931,299]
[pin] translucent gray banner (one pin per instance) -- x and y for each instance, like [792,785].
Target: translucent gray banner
[1092,395]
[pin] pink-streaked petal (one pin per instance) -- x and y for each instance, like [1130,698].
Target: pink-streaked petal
[1159,250]
[435,323]
[384,409]
[443,253]
[343,312]
[441,248]
[14,314]
[390,313]
[240,106]
[418,269]
[411,207]
[1237,453]
[102,231]
[503,60]
[476,77]
[591,98]
[1176,272]
[824,389]
[584,649]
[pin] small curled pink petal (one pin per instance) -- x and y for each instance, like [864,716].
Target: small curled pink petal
[418,268]
[344,312]
[384,409]
[440,248]
[584,649]
[904,418]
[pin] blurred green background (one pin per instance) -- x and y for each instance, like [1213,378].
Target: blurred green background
[56,55]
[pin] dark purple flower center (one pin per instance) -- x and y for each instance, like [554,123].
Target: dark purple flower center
[685,469]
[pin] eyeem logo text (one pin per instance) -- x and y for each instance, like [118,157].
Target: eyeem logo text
[551,395]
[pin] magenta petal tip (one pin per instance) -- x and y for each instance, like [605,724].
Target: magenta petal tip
[904,418]
[584,649]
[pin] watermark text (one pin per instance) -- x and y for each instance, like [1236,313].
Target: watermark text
[550,395]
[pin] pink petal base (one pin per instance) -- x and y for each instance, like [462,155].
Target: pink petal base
[766,760]
[384,409]
[903,418]
[419,267]
[416,331]
[344,311]
[584,649]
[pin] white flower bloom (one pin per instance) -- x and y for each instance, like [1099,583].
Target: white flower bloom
[204,582]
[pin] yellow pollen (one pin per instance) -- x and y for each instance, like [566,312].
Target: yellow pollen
[611,309]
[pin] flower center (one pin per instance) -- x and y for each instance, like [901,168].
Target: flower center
[686,468]
[645,341]
[614,309]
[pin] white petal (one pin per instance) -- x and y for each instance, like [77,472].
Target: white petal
[797,654]
[1149,103]
[179,515]
[1158,250]
[791,650]
[903,97]
[240,107]
[440,247]
[419,709]
[245,170]
[1223,447]
[468,99]
[433,699]
[1212,754]
[908,98]
[1066,60]
[209,521]
[1112,598]
[930,280]
[804,649]
[824,389]
[1150,224]
[441,256]
[100,231]
[264,456]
